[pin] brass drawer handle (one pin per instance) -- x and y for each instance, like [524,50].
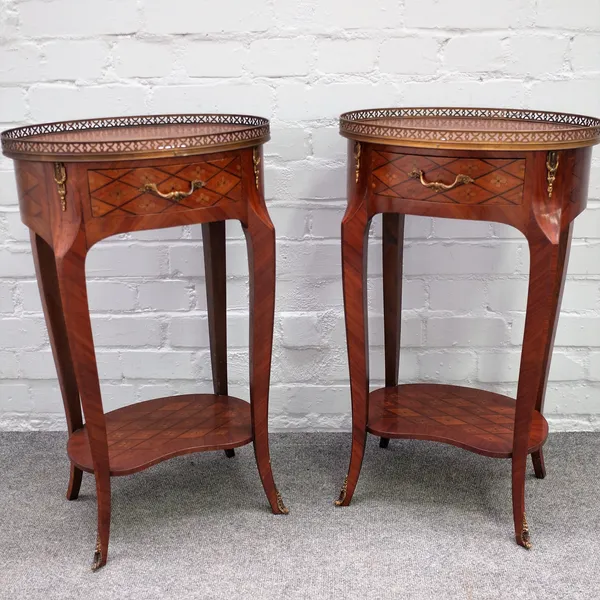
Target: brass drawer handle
[152,188]
[438,186]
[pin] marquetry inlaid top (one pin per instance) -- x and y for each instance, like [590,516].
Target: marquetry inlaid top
[134,137]
[471,128]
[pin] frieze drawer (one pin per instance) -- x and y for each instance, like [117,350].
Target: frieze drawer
[165,189]
[449,180]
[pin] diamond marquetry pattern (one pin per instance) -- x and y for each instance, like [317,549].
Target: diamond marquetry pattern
[32,190]
[146,433]
[474,419]
[578,182]
[120,191]
[496,181]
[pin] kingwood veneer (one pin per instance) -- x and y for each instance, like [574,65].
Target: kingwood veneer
[524,168]
[82,181]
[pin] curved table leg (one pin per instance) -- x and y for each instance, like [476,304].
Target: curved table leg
[355,231]
[548,265]
[384,442]
[47,278]
[392,250]
[74,483]
[260,241]
[213,239]
[539,466]
[73,292]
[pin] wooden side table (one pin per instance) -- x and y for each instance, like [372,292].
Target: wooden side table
[524,168]
[82,181]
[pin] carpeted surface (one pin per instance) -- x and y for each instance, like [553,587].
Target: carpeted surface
[427,521]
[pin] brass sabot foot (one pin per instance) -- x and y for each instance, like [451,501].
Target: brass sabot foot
[342,497]
[525,536]
[97,562]
[280,505]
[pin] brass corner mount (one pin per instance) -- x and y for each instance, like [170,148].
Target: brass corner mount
[357,152]
[256,162]
[552,168]
[60,178]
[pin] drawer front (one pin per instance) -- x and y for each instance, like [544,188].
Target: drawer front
[165,189]
[483,181]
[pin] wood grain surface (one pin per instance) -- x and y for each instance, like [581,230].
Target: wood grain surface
[472,419]
[103,197]
[510,187]
[495,181]
[144,434]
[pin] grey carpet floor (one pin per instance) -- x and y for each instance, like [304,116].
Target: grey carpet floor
[427,521]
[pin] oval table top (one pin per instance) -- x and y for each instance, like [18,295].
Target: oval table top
[134,137]
[471,128]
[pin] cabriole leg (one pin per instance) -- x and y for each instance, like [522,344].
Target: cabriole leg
[47,278]
[213,238]
[539,466]
[74,483]
[548,265]
[355,229]
[73,292]
[260,241]
[392,250]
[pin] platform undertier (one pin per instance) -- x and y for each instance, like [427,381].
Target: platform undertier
[472,419]
[149,432]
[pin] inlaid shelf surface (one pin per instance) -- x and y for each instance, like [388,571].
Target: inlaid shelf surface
[472,419]
[147,433]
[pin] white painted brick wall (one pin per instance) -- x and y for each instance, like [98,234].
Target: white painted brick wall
[299,62]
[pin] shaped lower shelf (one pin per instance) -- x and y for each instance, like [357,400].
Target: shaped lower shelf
[144,434]
[472,419]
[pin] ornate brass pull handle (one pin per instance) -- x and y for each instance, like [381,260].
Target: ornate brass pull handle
[175,195]
[438,186]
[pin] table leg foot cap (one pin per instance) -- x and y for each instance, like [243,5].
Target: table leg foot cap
[525,538]
[283,510]
[99,561]
[343,492]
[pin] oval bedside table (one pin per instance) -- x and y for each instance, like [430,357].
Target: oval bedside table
[82,181]
[524,168]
